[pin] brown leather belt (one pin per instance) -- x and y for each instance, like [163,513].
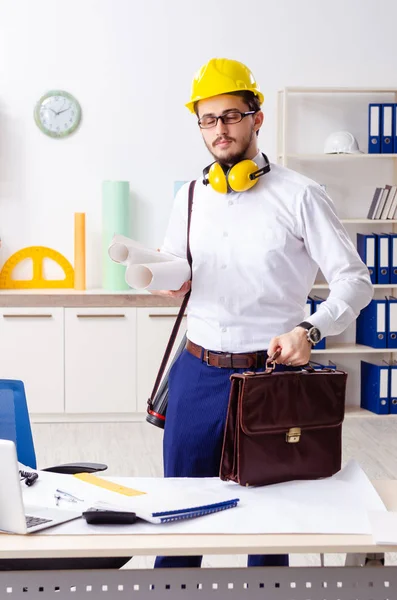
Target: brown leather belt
[226,360]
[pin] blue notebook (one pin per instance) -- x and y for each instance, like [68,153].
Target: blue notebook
[167,516]
[189,513]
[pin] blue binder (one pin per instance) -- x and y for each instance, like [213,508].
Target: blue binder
[382,258]
[319,366]
[374,128]
[375,387]
[371,325]
[316,302]
[387,129]
[308,308]
[395,128]
[391,322]
[393,257]
[182,514]
[393,388]
[366,248]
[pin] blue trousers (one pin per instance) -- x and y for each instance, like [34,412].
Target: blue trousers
[193,435]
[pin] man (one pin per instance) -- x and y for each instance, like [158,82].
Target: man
[255,258]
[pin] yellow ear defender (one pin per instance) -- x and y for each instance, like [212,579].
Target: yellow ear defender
[238,178]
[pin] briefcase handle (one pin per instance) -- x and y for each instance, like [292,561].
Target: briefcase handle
[271,363]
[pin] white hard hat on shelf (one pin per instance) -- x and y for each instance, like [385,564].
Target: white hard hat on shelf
[341,142]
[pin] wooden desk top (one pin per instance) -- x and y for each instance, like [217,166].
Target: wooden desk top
[58,546]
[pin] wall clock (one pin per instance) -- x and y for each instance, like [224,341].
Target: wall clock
[57,114]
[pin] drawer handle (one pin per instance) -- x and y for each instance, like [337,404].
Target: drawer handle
[22,316]
[100,316]
[155,316]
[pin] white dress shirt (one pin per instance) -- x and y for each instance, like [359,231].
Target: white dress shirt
[255,259]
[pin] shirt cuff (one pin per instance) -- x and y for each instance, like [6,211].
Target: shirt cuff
[323,321]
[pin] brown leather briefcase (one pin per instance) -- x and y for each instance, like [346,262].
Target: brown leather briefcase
[283,426]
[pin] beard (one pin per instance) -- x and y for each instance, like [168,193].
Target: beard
[231,157]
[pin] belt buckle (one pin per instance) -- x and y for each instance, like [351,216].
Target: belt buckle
[206,358]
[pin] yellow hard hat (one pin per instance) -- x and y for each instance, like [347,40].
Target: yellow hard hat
[222,76]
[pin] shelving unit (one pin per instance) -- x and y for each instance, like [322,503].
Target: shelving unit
[304,114]
[377,286]
[335,157]
[335,348]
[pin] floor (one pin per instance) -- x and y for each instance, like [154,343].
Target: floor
[135,449]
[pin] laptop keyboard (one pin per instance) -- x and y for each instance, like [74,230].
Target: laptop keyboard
[33,521]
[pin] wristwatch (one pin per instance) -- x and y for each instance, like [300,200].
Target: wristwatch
[313,334]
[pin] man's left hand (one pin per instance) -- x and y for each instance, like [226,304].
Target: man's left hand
[294,345]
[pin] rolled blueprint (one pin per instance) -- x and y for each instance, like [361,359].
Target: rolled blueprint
[115,219]
[147,268]
[126,251]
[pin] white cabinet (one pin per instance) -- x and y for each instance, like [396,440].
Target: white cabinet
[31,349]
[100,360]
[154,326]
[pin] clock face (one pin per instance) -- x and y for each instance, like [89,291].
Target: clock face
[57,114]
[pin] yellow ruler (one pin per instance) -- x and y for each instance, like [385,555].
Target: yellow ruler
[37,254]
[108,485]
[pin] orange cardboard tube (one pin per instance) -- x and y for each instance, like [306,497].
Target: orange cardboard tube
[79,251]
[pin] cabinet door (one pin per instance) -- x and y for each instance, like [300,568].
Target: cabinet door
[154,326]
[100,360]
[31,349]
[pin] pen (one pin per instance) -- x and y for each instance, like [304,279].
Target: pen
[62,495]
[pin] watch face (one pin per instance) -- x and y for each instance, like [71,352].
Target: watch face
[57,114]
[314,335]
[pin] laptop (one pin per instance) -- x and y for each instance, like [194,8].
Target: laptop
[14,516]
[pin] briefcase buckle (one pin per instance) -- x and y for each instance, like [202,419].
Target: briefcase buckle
[293,435]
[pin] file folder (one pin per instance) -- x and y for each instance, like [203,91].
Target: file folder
[374,203]
[387,129]
[395,128]
[391,190]
[319,366]
[382,258]
[316,303]
[393,257]
[382,201]
[393,203]
[366,249]
[375,387]
[391,322]
[374,128]
[371,325]
[393,388]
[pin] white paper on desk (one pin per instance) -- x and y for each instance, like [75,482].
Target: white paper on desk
[147,268]
[384,527]
[336,505]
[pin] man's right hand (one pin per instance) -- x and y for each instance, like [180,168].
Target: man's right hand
[173,293]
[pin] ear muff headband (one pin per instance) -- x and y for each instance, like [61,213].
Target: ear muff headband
[239,178]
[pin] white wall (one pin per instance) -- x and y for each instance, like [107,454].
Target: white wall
[130,65]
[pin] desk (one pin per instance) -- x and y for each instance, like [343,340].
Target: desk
[298,583]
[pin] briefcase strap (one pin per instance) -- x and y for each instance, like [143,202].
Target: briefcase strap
[182,309]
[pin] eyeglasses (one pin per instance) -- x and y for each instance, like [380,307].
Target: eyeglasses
[230,118]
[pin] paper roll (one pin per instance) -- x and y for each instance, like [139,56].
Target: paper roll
[158,276]
[126,251]
[148,268]
[79,251]
[115,220]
